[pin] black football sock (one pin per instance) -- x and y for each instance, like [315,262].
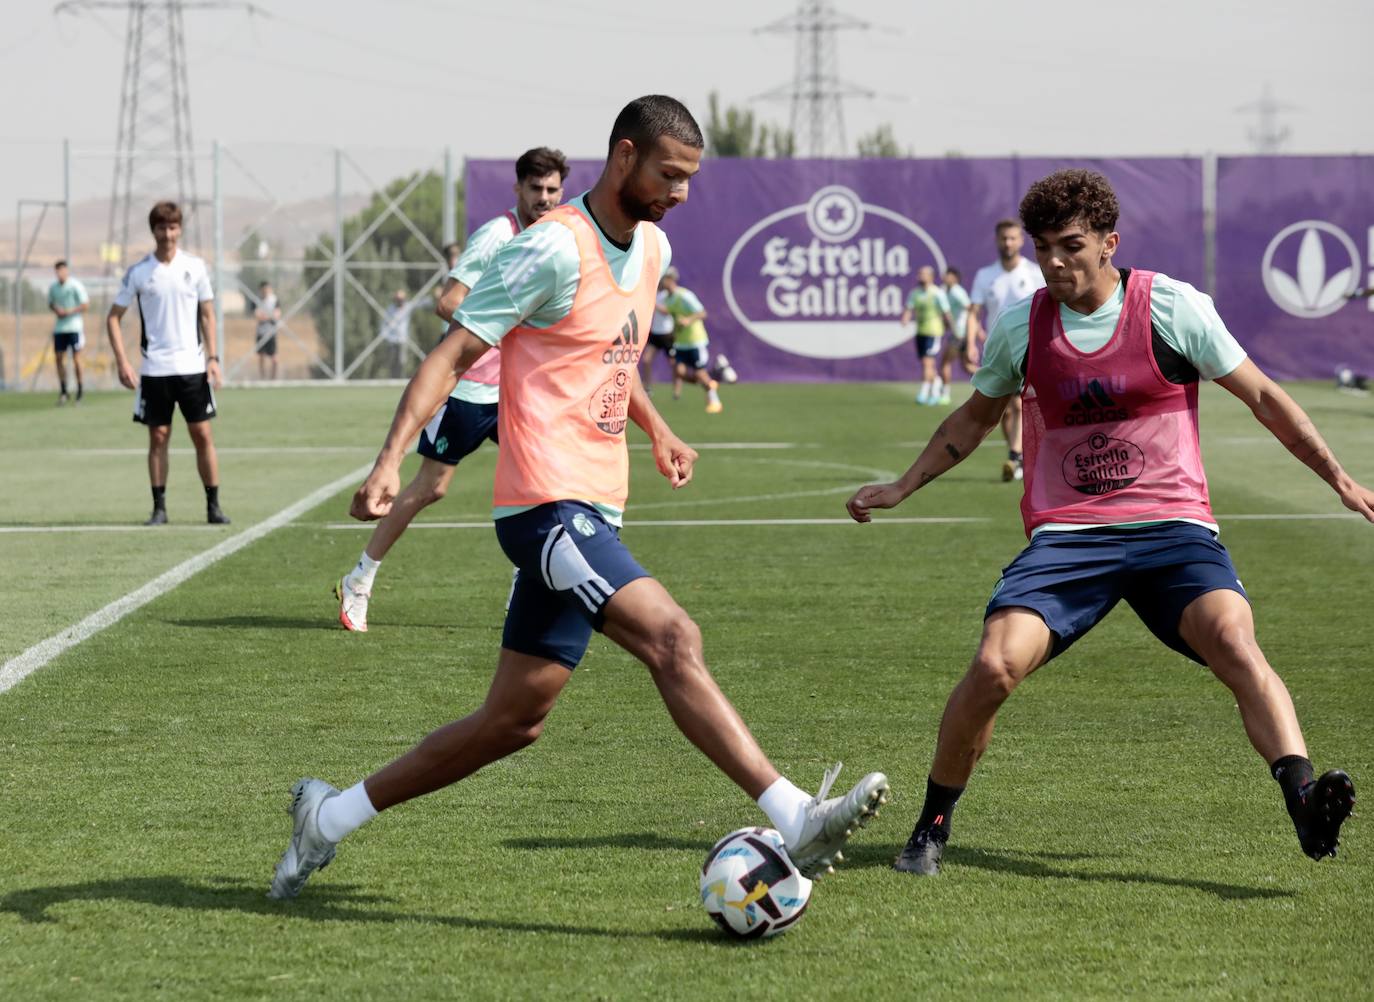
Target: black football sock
[1014,455]
[212,496]
[160,497]
[939,805]
[1294,774]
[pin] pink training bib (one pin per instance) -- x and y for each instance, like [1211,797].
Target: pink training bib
[565,389]
[1108,439]
[487,371]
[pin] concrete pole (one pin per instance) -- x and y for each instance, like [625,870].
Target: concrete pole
[450,203]
[218,197]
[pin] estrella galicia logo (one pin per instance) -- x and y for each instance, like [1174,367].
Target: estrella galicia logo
[1309,291]
[583,524]
[1101,464]
[828,278]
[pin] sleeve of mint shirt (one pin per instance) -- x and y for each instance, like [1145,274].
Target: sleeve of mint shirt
[942,299]
[690,301]
[1189,323]
[1002,369]
[532,280]
[481,248]
[958,297]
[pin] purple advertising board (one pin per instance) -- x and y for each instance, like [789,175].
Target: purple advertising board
[804,266]
[1295,239]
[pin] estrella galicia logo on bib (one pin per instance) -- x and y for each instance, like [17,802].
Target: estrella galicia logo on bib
[1295,269]
[583,524]
[609,407]
[829,278]
[1100,464]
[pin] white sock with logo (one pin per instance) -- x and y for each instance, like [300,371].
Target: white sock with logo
[785,806]
[346,813]
[360,577]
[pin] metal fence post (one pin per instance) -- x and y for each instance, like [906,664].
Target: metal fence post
[450,203]
[223,338]
[338,268]
[67,199]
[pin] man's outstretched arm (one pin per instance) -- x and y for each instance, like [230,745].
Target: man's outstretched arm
[958,435]
[1289,423]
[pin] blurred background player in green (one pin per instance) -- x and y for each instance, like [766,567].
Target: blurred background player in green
[928,306]
[690,356]
[68,300]
[660,339]
[956,345]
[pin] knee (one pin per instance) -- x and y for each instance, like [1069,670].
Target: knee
[434,491]
[1232,653]
[994,676]
[159,437]
[676,647]
[513,731]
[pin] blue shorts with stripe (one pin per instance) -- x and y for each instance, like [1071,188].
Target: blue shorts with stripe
[1073,579]
[569,562]
[457,431]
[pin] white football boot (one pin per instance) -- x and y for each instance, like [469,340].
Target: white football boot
[308,850]
[829,823]
[352,605]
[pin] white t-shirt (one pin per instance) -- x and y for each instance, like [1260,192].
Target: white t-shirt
[169,297]
[663,323]
[995,288]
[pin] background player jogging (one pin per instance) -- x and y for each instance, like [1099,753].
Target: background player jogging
[468,417]
[1115,500]
[567,300]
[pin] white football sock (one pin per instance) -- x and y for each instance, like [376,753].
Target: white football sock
[785,806]
[346,813]
[711,395]
[925,389]
[361,576]
[939,386]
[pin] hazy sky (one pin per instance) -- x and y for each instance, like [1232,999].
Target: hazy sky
[488,79]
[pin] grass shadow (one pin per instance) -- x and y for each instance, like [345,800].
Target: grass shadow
[1049,866]
[624,840]
[258,623]
[322,903]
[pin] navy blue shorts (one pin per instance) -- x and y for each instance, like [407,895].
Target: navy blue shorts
[694,358]
[457,431]
[1073,579]
[569,562]
[64,340]
[927,345]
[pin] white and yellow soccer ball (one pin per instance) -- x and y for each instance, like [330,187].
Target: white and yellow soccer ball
[749,886]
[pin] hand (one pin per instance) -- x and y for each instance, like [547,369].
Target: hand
[127,378]
[1359,499]
[874,496]
[971,353]
[675,459]
[373,499]
[212,370]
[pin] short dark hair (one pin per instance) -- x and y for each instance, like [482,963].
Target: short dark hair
[1006,224]
[645,119]
[1067,195]
[951,270]
[60,264]
[164,212]
[264,284]
[541,162]
[453,248]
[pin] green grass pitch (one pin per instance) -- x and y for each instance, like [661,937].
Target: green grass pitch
[1120,839]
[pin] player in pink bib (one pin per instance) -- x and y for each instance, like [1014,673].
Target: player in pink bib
[570,300]
[1115,498]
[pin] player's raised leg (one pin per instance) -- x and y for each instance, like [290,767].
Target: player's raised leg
[1220,627]
[645,620]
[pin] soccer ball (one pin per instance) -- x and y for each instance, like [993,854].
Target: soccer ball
[750,887]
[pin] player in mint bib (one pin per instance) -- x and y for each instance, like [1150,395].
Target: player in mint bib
[68,300]
[928,307]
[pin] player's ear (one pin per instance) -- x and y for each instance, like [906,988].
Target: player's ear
[1109,246]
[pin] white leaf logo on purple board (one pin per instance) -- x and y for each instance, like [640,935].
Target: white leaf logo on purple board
[1309,292]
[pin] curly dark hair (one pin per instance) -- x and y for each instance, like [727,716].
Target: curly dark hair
[1068,195]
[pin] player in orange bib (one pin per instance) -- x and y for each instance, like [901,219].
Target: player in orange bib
[570,301]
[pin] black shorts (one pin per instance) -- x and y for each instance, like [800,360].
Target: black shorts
[267,346]
[67,340]
[457,430]
[663,342]
[157,396]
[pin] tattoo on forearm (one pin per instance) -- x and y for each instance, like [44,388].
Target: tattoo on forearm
[1312,450]
[925,479]
[954,453]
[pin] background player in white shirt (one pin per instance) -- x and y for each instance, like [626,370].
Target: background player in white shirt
[1007,280]
[180,366]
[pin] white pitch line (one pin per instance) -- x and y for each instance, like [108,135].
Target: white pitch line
[642,523]
[230,450]
[15,670]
